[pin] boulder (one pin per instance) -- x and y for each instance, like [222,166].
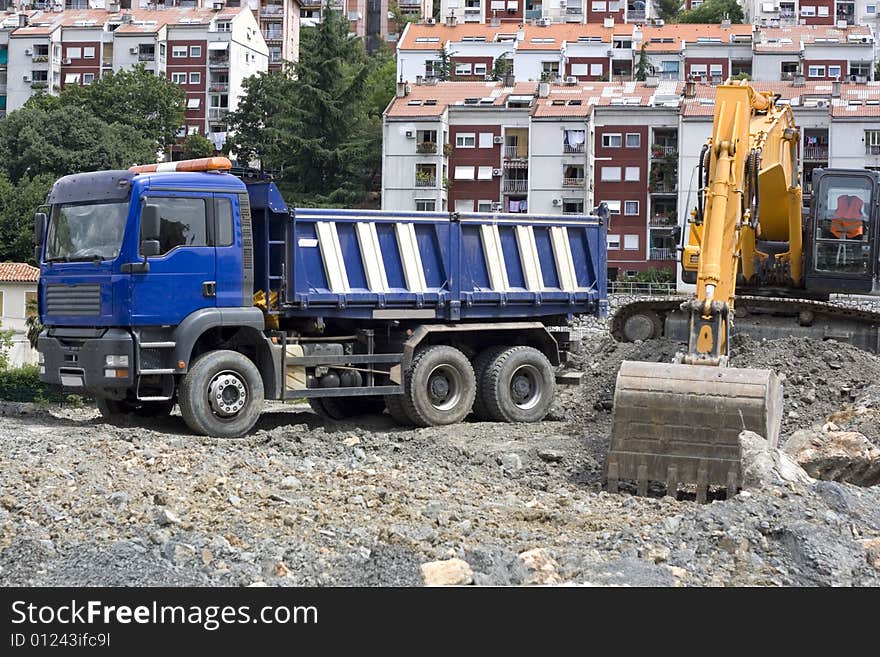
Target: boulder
[846,456]
[541,567]
[763,465]
[450,572]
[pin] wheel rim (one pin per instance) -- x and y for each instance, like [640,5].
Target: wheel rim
[639,327]
[227,393]
[526,387]
[445,385]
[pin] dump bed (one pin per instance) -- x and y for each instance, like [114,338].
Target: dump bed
[364,264]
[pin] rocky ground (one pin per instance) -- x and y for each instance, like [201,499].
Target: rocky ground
[303,501]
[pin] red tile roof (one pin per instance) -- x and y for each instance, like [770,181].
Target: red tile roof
[18,272]
[690,33]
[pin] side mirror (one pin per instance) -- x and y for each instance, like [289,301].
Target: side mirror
[40,223]
[150,223]
[676,234]
[150,248]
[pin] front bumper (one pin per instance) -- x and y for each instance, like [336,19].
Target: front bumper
[74,358]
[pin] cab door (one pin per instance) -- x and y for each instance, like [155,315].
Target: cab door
[182,278]
[227,236]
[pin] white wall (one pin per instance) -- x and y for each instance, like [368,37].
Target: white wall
[399,191]
[13,317]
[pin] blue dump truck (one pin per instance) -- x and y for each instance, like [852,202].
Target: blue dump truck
[183,283]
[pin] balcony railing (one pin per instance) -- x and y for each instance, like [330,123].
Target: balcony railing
[573,182]
[273,36]
[668,75]
[40,84]
[788,75]
[662,254]
[636,16]
[271,10]
[514,153]
[426,182]
[662,187]
[146,56]
[872,149]
[218,62]
[532,13]
[106,63]
[815,152]
[515,185]
[426,147]
[568,148]
[663,151]
[41,59]
[220,87]
[661,221]
[217,112]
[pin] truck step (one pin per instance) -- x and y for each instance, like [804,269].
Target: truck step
[569,378]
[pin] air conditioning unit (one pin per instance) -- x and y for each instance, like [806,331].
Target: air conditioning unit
[545,22]
[557,202]
[497,139]
[68,61]
[659,22]
[497,207]
[570,79]
[133,50]
[26,78]
[28,52]
[496,172]
[410,134]
[430,21]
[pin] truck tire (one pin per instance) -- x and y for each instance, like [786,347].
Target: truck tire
[394,404]
[481,368]
[340,408]
[113,409]
[519,386]
[221,395]
[440,387]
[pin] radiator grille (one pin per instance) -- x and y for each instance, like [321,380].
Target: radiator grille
[84,299]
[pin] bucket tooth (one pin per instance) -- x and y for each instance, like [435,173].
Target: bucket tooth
[681,423]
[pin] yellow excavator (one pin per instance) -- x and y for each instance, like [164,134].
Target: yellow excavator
[757,260]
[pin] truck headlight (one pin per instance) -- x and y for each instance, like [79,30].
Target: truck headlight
[116,361]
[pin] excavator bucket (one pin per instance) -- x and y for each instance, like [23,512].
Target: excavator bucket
[680,424]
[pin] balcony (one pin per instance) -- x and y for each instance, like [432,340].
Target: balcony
[146,56]
[662,254]
[106,63]
[663,150]
[815,152]
[662,221]
[219,87]
[636,16]
[532,14]
[515,185]
[271,10]
[426,148]
[40,84]
[573,182]
[218,62]
[41,59]
[662,187]
[872,149]
[273,35]
[426,181]
[216,113]
[572,150]
[788,76]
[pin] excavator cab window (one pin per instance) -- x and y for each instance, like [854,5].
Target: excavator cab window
[844,233]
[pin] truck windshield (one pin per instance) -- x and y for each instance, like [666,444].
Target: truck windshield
[84,231]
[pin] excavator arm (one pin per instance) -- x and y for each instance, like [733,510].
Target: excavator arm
[680,422]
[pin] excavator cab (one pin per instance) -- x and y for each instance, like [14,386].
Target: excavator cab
[841,240]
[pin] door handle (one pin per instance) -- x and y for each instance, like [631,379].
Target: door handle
[209,289]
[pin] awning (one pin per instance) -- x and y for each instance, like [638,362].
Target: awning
[218,45]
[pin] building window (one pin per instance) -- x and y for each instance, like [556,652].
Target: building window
[572,206]
[88,78]
[479,69]
[195,51]
[195,78]
[610,174]
[426,175]
[30,304]
[464,205]
[612,140]
[808,11]
[613,206]
[484,173]
[486,140]
[464,173]
[465,140]
[550,69]
[816,71]
[224,26]
[599,5]
[74,53]
[425,205]
[597,70]
[630,242]
[178,52]
[633,140]
[178,78]
[698,70]
[192,130]
[613,242]
[88,53]
[834,72]
[872,142]
[822,12]
[193,103]
[632,174]
[462,69]
[631,208]
[484,206]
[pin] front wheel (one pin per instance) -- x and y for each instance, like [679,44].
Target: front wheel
[221,395]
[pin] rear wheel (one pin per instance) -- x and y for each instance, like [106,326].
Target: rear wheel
[440,387]
[481,369]
[642,325]
[116,408]
[519,386]
[221,395]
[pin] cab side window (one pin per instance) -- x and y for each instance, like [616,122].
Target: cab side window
[223,235]
[183,222]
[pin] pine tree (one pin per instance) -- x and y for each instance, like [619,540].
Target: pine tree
[667,9]
[644,65]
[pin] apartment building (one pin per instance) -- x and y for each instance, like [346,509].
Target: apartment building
[776,13]
[595,52]
[545,11]
[372,20]
[546,148]
[208,52]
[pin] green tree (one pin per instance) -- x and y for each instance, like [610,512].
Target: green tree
[502,66]
[713,11]
[32,323]
[195,146]
[667,9]
[63,140]
[644,64]
[18,202]
[443,64]
[400,19]
[135,97]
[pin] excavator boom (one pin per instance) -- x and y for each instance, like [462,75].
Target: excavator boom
[679,422]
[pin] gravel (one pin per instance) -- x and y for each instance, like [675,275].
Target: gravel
[308,502]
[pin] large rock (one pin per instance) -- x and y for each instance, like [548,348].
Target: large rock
[541,566]
[451,572]
[846,456]
[763,465]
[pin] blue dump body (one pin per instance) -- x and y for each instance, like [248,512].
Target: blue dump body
[365,264]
